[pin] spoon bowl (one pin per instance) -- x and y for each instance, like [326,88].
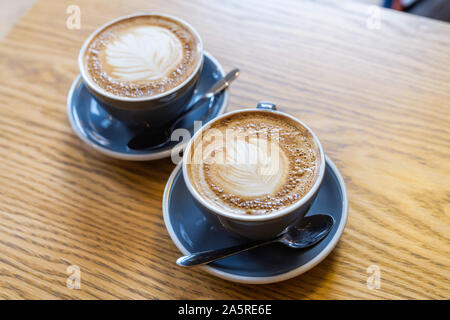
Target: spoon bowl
[308,232]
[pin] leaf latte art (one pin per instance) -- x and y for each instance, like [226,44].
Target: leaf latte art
[144,53]
[250,168]
[253,162]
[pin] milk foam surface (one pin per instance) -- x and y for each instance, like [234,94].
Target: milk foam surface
[142,56]
[253,163]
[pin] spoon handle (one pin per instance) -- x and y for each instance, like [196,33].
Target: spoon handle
[205,257]
[222,83]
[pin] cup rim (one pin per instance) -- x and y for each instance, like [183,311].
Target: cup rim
[91,84]
[270,216]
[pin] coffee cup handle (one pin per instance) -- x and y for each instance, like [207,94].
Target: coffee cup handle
[265,105]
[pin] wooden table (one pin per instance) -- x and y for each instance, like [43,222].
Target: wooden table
[378,98]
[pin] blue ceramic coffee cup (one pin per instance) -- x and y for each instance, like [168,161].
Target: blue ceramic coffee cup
[149,111]
[256,227]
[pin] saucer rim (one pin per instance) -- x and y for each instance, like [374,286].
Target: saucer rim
[269,279]
[155,155]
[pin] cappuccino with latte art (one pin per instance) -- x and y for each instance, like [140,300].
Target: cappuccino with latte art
[253,163]
[142,56]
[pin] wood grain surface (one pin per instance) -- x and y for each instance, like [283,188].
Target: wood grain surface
[379,100]
[10,12]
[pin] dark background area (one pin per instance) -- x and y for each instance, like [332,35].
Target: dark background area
[435,9]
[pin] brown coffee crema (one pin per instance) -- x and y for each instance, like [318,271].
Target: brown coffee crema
[253,163]
[142,56]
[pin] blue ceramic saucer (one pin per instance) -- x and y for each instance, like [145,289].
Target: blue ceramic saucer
[109,136]
[191,232]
